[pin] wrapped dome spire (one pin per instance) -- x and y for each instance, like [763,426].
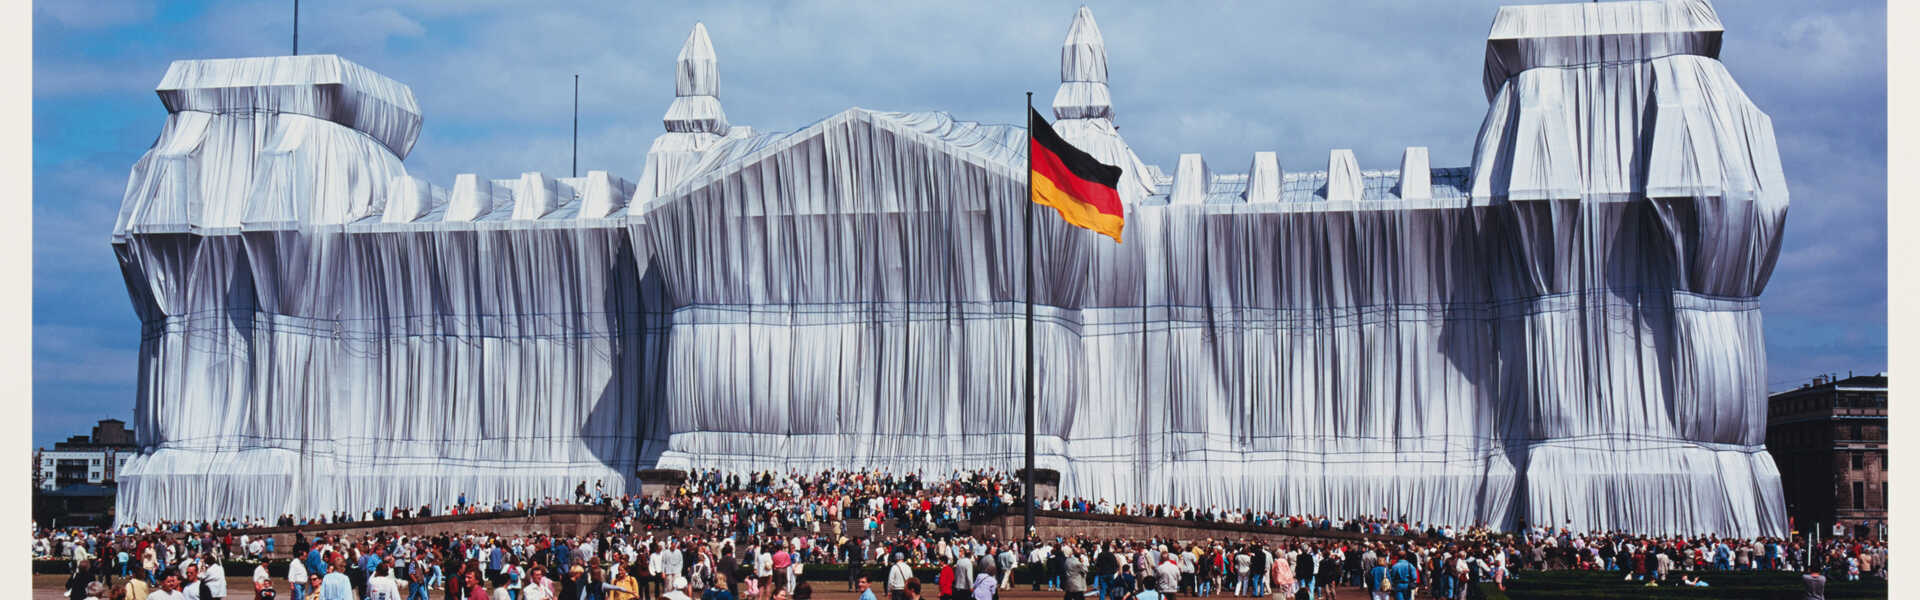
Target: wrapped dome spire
[696,88]
[1083,72]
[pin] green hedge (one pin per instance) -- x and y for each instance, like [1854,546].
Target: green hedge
[1741,585]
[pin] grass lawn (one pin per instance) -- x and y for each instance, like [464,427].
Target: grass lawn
[1567,585]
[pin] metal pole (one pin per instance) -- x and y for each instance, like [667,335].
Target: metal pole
[1028,202]
[296,27]
[576,124]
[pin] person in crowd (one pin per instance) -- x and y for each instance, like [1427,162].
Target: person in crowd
[1379,585]
[383,586]
[169,587]
[1166,575]
[897,577]
[943,583]
[1075,581]
[628,587]
[136,586]
[213,577]
[538,586]
[1813,584]
[474,589]
[261,580]
[986,586]
[335,585]
[678,591]
[190,585]
[1402,577]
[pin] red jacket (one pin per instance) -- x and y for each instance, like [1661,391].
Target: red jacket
[946,579]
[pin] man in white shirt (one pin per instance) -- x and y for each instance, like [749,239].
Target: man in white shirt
[671,565]
[260,578]
[962,568]
[679,591]
[214,577]
[190,571]
[169,587]
[1167,574]
[539,587]
[297,578]
[383,586]
[897,578]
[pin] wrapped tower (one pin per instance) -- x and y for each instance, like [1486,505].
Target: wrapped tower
[1566,331]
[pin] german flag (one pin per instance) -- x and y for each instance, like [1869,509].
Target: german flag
[1068,179]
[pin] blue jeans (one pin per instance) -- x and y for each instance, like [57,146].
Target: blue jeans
[299,590]
[1101,581]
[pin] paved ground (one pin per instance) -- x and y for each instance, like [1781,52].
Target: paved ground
[48,587]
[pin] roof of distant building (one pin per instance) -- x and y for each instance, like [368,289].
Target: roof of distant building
[1875,382]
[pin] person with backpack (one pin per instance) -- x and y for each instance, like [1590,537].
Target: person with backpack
[1402,577]
[1379,585]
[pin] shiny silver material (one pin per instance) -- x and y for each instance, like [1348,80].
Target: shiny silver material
[1565,332]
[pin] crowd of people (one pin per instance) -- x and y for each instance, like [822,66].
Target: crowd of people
[461,506]
[727,536]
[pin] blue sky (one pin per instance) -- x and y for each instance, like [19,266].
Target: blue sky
[494,80]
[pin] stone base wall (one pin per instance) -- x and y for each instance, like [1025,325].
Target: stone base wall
[559,520]
[1050,525]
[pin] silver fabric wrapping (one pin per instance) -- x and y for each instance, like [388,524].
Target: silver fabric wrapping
[1565,332]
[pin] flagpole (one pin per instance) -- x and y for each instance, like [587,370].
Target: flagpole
[576,124]
[1028,202]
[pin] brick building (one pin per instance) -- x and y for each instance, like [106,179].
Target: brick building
[1829,438]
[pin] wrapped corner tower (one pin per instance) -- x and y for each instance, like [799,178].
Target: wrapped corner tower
[1564,332]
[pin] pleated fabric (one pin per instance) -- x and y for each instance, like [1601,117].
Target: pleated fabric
[1566,332]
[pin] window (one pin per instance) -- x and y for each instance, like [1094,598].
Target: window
[1855,431]
[1859,495]
[1859,460]
[94,462]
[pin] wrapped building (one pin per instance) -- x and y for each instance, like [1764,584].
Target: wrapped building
[1564,331]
